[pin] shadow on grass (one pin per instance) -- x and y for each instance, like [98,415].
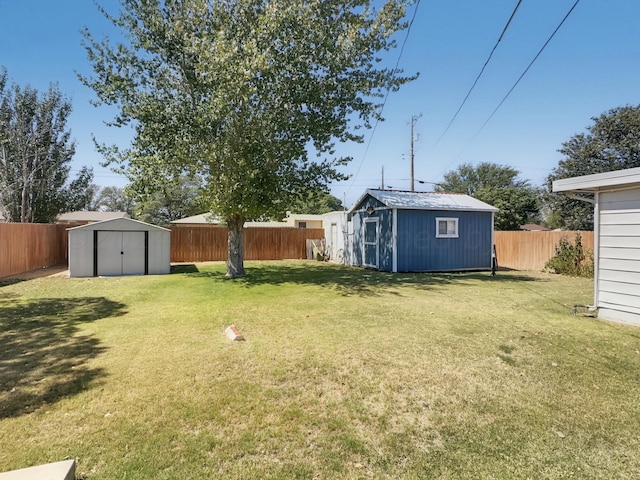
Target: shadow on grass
[352,280]
[184,268]
[11,281]
[42,357]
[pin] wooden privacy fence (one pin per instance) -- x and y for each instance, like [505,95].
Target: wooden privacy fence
[531,250]
[209,243]
[27,246]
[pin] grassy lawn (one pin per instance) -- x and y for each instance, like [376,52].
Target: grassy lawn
[345,374]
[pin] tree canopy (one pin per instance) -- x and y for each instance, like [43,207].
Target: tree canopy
[497,185]
[35,154]
[612,142]
[177,199]
[316,202]
[250,94]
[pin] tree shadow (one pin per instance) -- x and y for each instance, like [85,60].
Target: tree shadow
[11,281]
[355,280]
[43,358]
[184,268]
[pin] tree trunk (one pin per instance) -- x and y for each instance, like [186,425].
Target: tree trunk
[235,256]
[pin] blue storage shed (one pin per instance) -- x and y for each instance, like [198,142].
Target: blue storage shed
[396,231]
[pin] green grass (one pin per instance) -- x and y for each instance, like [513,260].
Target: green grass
[345,374]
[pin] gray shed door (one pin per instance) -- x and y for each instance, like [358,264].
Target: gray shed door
[370,238]
[121,253]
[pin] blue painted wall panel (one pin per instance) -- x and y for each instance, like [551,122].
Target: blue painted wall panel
[420,250]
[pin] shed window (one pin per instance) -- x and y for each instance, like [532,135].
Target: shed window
[446,228]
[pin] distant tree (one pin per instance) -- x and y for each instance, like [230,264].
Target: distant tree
[35,152]
[244,93]
[499,186]
[612,142]
[178,199]
[115,199]
[316,202]
[81,194]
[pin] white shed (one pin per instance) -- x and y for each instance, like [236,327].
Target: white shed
[616,240]
[119,246]
[337,236]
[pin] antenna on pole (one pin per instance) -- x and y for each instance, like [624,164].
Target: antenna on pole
[414,118]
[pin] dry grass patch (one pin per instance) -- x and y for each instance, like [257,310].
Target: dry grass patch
[345,373]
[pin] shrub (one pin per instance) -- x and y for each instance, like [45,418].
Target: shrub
[571,259]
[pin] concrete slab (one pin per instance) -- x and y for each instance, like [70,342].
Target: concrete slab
[65,470]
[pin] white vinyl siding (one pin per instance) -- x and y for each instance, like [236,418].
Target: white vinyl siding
[619,252]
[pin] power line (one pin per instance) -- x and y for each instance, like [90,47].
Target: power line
[384,101]
[479,74]
[516,83]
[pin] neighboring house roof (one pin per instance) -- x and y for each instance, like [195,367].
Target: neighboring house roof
[426,201]
[203,218]
[85,216]
[532,227]
[303,217]
[627,178]
[210,219]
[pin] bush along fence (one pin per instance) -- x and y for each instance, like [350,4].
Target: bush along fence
[25,247]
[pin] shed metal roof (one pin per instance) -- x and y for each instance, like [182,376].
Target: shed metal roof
[426,201]
[119,224]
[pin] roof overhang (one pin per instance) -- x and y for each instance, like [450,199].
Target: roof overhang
[598,182]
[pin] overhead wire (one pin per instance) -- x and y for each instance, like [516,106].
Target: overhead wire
[515,84]
[475,82]
[384,101]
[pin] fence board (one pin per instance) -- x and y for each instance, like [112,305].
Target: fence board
[532,250]
[28,246]
[209,243]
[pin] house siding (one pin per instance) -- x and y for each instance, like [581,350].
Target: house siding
[618,278]
[420,250]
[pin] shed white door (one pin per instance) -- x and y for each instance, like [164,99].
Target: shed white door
[121,253]
[370,238]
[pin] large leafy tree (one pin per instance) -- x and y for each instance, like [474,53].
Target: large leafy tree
[81,194]
[250,94]
[497,185]
[35,152]
[612,142]
[115,199]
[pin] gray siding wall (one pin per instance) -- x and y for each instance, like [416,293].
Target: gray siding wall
[619,256]
[420,250]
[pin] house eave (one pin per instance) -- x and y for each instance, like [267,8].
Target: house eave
[599,182]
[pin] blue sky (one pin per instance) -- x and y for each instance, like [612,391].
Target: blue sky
[590,66]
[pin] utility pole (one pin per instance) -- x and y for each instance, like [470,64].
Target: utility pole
[414,118]
[382,188]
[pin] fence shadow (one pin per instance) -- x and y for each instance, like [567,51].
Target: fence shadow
[354,280]
[42,357]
